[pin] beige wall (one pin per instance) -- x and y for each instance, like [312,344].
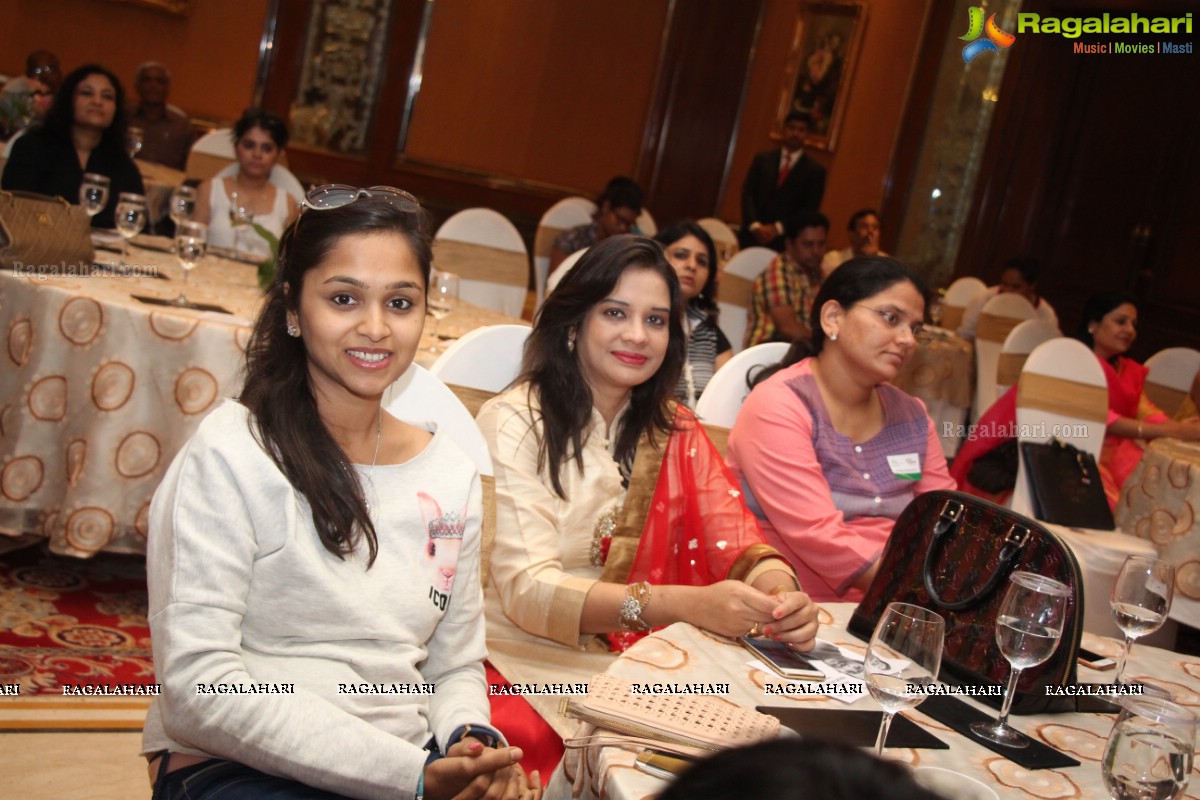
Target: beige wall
[858,169]
[212,53]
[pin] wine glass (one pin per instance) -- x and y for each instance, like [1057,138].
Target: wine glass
[1150,749]
[239,217]
[1028,628]
[906,633]
[1140,600]
[135,139]
[182,204]
[130,218]
[93,193]
[191,240]
[443,298]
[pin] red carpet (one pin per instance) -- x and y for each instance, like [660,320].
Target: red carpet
[66,622]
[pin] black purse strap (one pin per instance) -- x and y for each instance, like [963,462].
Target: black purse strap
[944,530]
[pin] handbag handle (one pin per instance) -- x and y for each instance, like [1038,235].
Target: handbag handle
[943,531]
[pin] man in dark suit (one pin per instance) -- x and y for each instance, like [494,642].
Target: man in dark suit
[780,184]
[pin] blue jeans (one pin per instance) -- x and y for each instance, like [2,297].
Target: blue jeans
[228,780]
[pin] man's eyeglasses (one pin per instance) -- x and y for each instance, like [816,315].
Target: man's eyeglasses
[895,320]
[336,195]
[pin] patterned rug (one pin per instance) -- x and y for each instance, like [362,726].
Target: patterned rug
[73,638]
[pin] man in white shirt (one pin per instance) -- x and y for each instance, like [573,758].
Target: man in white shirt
[864,241]
[1020,276]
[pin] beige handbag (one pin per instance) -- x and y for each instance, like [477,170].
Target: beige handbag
[42,234]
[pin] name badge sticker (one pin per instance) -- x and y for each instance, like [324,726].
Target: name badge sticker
[906,467]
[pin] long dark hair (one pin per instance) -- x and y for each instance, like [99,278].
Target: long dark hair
[61,117]
[855,281]
[1097,307]
[706,301]
[553,371]
[277,391]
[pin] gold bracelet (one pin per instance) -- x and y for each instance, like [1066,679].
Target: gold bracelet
[637,599]
[783,588]
[1139,429]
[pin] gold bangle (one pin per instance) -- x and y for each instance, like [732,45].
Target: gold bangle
[1140,429]
[783,588]
[637,599]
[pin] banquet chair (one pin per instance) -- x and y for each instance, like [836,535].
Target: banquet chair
[566,213]
[482,363]
[722,398]
[1171,374]
[646,225]
[723,237]
[999,316]
[1062,394]
[958,296]
[280,176]
[210,154]
[563,269]
[736,290]
[419,396]
[1019,343]
[487,252]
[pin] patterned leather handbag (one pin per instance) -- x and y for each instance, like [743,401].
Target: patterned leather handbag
[953,553]
[39,234]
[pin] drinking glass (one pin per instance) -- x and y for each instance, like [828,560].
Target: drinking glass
[135,138]
[130,218]
[1141,599]
[1148,755]
[93,193]
[239,217]
[443,298]
[182,205]
[908,633]
[1028,628]
[191,240]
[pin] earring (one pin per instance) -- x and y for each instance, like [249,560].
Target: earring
[833,337]
[292,330]
[570,344]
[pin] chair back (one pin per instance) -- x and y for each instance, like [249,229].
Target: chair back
[487,359]
[1172,372]
[959,295]
[562,270]
[487,252]
[722,398]
[1061,394]
[999,316]
[280,176]
[419,396]
[210,154]
[563,215]
[645,224]
[1019,343]
[723,237]
[736,291]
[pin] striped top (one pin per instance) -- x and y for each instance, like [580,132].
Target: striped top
[705,343]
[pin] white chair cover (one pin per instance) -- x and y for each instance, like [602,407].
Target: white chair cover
[959,295]
[1171,374]
[563,215]
[997,319]
[722,398]
[419,396]
[736,289]
[723,237]
[487,358]
[488,253]
[646,224]
[563,269]
[1020,342]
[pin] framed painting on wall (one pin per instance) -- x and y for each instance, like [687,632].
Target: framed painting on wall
[825,48]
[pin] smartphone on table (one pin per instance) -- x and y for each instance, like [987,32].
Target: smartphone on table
[662,765]
[785,661]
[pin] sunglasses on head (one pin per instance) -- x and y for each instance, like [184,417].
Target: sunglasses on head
[336,195]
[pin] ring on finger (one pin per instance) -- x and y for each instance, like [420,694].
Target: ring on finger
[755,630]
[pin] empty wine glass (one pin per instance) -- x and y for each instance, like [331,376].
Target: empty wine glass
[130,219]
[1149,752]
[1141,599]
[182,204]
[191,240]
[240,216]
[1028,628]
[135,139]
[443,298]
[906,633]
[93,193]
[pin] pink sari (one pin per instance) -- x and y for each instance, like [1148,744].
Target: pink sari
[1120,454]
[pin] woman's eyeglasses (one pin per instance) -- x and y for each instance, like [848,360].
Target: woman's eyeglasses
[894,320]
[336,195]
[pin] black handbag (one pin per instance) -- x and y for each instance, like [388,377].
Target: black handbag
[953,553]
[1065,486]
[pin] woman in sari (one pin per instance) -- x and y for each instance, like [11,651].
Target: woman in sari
[1109,328]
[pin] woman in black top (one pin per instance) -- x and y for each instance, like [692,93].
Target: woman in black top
[84,131]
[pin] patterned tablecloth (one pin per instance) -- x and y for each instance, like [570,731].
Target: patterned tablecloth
[1159,502]
[684,654]
[941,373]
[100,390]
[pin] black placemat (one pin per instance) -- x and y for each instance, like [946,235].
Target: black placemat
[127,271]
[958,715]
[158,301]
[856,728]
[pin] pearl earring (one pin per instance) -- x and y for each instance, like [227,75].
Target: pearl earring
[292,330]
[833,337]
[570,344]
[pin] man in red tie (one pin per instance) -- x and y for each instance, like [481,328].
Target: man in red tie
[780,184]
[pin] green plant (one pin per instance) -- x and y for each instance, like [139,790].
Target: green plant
[266,270]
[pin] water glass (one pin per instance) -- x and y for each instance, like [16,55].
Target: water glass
[130,219]
[910,634]
[1148,755]
[93,193]
[1141,599]
[135,139]
[191,241]
[182,205]
[444,288]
